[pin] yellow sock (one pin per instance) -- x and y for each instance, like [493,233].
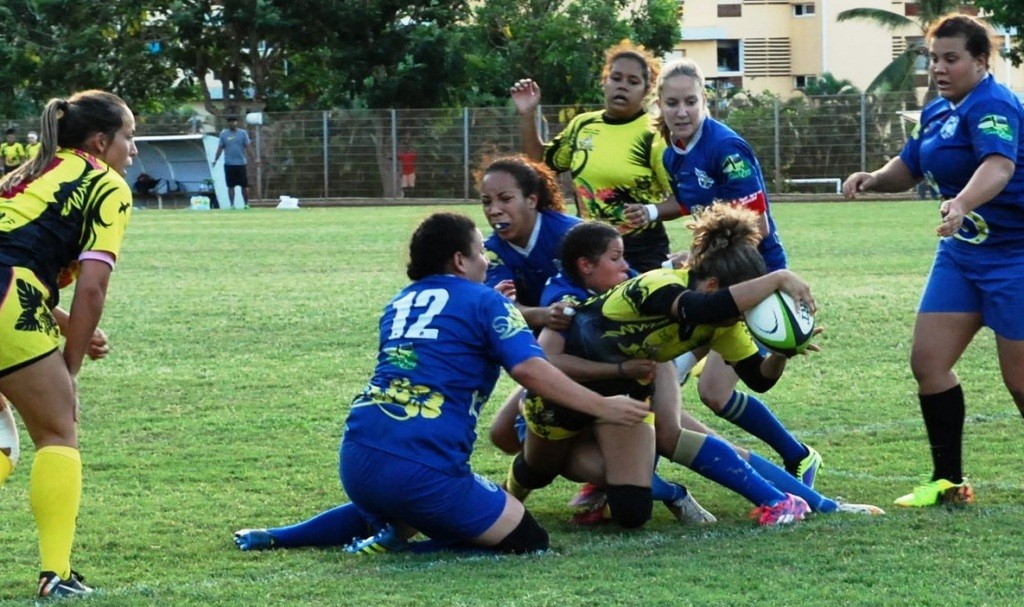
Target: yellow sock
[6,467]
[55,490]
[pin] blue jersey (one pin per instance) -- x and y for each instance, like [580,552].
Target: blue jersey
[531,267]
[719,166]
[950,144]
[442,341]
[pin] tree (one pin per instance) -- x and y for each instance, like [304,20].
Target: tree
[54,47]
[561,43]
[899,75]
[1009,15]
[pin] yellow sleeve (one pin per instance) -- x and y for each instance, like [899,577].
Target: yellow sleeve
[734,342]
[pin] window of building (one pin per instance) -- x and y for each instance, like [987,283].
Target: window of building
[728,56]
[730,10]
[803,10]
[802,82]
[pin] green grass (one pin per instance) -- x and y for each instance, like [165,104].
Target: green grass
[239,339]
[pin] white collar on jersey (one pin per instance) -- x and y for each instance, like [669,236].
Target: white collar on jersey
[954,106]
[525,252]
[693,140]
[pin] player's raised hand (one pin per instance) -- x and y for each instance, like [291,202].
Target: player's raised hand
[525,95]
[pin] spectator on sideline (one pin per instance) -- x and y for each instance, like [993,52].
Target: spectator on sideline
[12,152]
[73,214]
[969,144]
[234,144]
[33,145]
[407,159]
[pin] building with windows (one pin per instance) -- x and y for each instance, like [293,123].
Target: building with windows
[780,46]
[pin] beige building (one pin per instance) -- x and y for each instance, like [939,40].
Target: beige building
[780,45]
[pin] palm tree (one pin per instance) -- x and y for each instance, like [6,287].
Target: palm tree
[828,84]
[899,75]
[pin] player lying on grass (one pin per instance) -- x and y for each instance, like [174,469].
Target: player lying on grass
[617,337]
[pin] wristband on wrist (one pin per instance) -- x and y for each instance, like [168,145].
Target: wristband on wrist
[652,212]
[621,371]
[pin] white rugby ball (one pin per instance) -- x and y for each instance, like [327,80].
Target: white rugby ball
[780,324]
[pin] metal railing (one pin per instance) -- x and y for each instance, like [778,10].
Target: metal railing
[354,153]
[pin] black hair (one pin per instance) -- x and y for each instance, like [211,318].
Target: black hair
[436,240]
[588,240]
[974,32]
[533,178]
[725,240]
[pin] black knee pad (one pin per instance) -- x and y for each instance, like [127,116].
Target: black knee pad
[527,477]
[528,536]
[631,505]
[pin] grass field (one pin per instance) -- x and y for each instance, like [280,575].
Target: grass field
[240,337]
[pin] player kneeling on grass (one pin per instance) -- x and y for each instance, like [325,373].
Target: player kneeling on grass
[657,316]
[410,433]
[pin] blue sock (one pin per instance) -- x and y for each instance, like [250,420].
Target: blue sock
[334,527]
[664,491]
[718,461]
[748,412]
[788,483]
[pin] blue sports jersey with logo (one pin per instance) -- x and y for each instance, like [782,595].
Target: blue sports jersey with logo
[719,166]
[953,140]
[442,341]
[531,268]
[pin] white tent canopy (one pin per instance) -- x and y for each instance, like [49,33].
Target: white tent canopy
[184,161]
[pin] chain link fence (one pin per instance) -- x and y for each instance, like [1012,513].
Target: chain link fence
[804,145]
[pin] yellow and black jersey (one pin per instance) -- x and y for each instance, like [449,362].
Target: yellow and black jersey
[613,163]
[78,204]
[633,321]
[13,154]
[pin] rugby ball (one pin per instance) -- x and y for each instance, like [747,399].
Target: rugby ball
[780,324]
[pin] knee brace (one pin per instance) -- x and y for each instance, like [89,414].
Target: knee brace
[631,505]
[528,536]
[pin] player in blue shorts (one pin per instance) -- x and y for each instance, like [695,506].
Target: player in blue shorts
[968,146]
[618,335]
[708,163]
[404,456]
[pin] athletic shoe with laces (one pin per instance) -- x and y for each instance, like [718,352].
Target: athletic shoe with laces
[688,512]
[52,586]
[385,540]
[858,508]
[254,539]
[783,512]
[591,506]
[938,492]
[806,469]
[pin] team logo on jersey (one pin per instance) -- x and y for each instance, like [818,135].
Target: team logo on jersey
[402,356]
[585,144]
[511,324]
[402,400]
[949,126]
[974,229]
[35,315]
[493,260]
[703,180]
[997,125]
[736,167]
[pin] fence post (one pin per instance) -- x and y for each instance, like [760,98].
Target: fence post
[395,179]
[324,136]
[778,146]
[259,161]
[465,153]
[863,132]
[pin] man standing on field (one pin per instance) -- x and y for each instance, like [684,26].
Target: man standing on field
[234,144]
